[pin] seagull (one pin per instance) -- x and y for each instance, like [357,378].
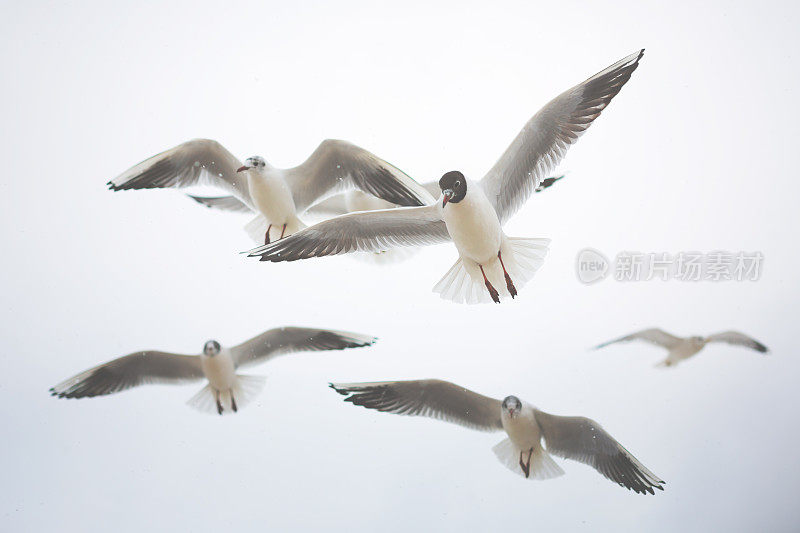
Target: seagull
[226,390]
[683,348]
[472,213]
[279,196]
[570,437]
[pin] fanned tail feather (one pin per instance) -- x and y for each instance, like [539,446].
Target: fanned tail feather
[542,465]
[256,229]
[244,390]
[464,283]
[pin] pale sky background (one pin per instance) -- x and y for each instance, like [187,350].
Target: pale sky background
[696,153]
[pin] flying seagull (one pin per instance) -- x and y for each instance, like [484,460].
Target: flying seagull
[472,213]
[570,437]
[279,196]
[681,348]
[226,390]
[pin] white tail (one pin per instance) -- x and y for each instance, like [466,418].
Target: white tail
[542,465]
[256,229]
[464,283]
[243,391]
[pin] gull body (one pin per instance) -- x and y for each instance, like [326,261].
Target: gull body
[219,369]
[272,197]
[533,435]
[474,227]
[682,348]
[471,214]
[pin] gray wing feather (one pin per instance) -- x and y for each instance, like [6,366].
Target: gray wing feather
[132,370]
[285,340]
[432,398]
[196,162]
[737,338]
[223,203]
[369,231]
[544,140]
[336,166]
[652,335]
[584,440]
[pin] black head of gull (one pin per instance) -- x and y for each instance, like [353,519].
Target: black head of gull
[253,162]
[211,348]
[454,187]
[512,405]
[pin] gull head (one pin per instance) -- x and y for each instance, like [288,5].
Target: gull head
[211,349]
[453,186]
[257,162]
[512,406]
[697,340]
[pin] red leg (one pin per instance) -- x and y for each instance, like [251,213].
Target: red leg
[526,467]
[492,290]
[282,232]
[509,284]
[219,404]
[266,239]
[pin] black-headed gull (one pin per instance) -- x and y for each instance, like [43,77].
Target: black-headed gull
[472,213]
[681,348]
[570,437]
[280,196]
[226,390]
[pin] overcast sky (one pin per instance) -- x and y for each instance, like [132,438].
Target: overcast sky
[697,153]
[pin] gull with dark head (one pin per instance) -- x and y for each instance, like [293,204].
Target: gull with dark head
[226,390]
[470,213]
[533,435]
[682,348]
[279,196]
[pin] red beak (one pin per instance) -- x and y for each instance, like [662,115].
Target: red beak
[242,168]
[447,194]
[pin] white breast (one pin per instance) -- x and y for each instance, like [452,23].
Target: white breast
[219,370]
[474,226]
[522,429]
[271,196]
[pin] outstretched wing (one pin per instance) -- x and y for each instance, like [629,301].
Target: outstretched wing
[433,398]
[280,341]
[651,335]
[336,166]
[196,162]
[584,440]
[544,140]
[740,339]
[370,231]
[132,370]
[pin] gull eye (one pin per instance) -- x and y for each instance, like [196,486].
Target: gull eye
[458,184]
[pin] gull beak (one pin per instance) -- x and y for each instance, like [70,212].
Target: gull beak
[448,193]
[242,168]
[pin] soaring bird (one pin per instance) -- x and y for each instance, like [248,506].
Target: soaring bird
[226,391]
[681,348]
[279,196]
[472,213]
[570,437]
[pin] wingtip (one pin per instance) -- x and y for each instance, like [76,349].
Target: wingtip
[338,387]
